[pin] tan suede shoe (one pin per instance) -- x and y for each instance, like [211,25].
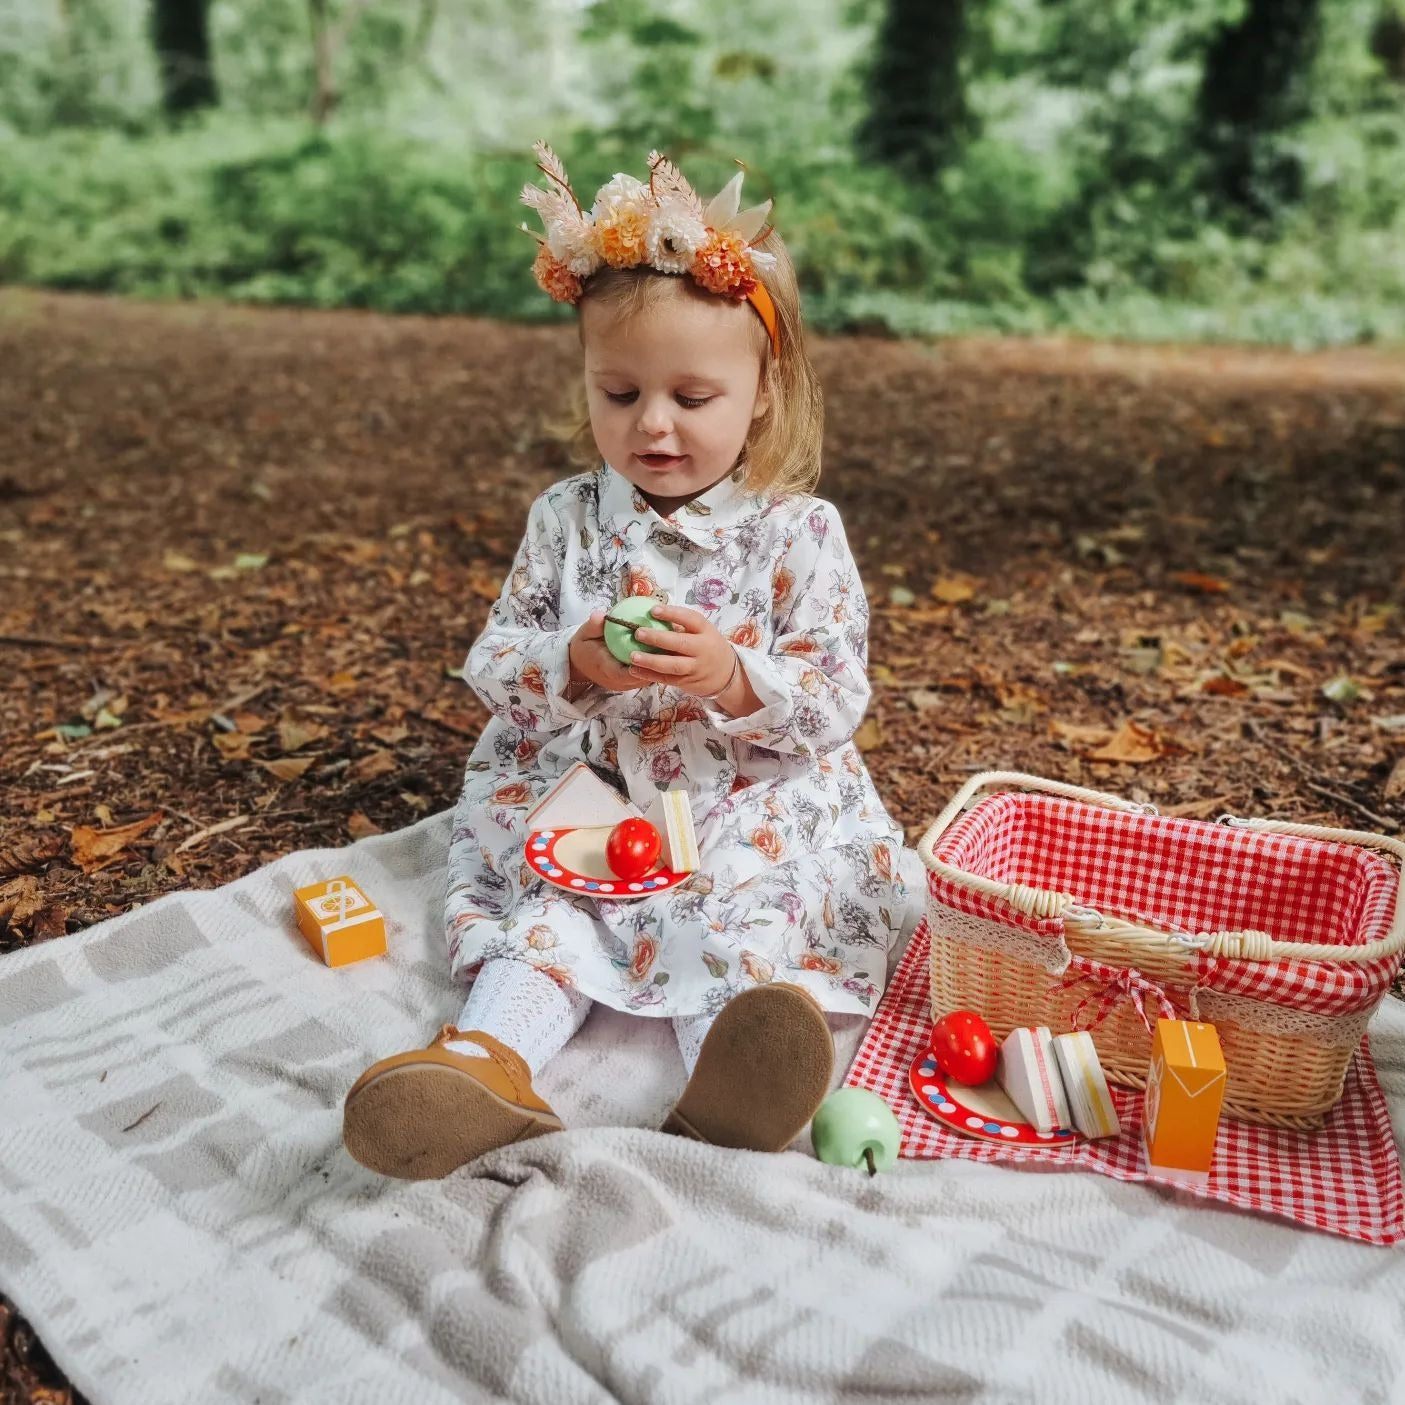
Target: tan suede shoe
[420,1115]
[762,1073]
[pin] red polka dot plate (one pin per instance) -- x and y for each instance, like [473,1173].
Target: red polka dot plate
[574,860]
[984,1112]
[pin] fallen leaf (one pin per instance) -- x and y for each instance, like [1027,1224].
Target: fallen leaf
[20,899]
[1019,703]
[1078,736]
[1199,582]
[1395,782]
[1132,744]
[391,735]
[484,587]
[233,746]
[1342,690]
[358,826]
[901,596]
[97,702]
[250,722]
[869,737]
[1145,655]
[373,764]
[294,735]
[66,731]
[178,561]
[288,768]
[1394,723]
[952,590]
[96,849]
[26,851]
[49,922]
[1223,686]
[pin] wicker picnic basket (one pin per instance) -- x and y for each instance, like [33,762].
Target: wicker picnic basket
[1048,904]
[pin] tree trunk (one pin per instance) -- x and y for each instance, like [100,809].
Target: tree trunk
[327,41]
[1254,88]
[1388,43]
[917,116]
[180,34]
[325,95]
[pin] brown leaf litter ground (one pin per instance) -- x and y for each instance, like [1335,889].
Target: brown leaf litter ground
[245,551]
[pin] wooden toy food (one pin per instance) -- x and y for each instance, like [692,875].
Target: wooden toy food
[626,616]
[1029,1074]
[854,1127]
[632,848]
[1089,1102]
[964,1047]
[1184,1090]
[340,922]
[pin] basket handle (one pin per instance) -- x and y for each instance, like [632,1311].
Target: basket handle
[1033,902]
[1250,945]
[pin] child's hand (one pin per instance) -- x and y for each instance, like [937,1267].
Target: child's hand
[697,659]
[592,662]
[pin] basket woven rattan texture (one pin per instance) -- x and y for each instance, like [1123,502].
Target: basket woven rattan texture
[1071,908]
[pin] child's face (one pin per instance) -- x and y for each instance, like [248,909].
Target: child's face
[672,392]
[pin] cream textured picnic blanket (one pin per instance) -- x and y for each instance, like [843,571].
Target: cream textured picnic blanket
[180,1223]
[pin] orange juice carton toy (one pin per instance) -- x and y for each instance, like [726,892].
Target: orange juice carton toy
[340,922]
[1184,1090]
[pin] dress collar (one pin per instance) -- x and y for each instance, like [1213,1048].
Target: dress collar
[706,522]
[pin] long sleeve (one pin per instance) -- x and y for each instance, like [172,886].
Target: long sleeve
[813,683]
[519,666]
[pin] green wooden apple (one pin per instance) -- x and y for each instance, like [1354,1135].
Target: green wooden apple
[624,617]
[856,1128]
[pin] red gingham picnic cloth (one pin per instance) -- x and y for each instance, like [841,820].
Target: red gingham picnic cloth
[1344,1178]
[1190,876]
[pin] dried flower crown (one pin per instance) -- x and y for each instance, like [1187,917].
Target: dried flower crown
[663,225]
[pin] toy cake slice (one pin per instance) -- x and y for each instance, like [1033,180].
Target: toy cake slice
[672,816]
[580,800]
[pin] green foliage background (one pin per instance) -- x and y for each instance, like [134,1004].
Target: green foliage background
[1077,203]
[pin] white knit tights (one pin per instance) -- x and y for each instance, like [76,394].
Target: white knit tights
[529,1012]
[690,1031]
[522,1008]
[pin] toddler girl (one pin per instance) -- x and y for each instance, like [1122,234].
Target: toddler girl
[707,415]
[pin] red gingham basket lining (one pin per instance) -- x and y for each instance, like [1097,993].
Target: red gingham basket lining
[1344,1178]
[1190,876]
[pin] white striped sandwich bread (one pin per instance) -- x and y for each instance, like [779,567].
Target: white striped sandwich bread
[1088,1098]
[672,815]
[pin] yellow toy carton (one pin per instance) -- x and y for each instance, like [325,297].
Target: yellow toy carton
[1184,1091]
[340,922]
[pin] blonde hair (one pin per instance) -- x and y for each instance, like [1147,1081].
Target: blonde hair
[782,450]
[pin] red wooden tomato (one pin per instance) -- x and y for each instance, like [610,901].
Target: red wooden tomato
[964,1048]
[632,848]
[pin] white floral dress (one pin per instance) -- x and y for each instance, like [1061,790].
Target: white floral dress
[800,877]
